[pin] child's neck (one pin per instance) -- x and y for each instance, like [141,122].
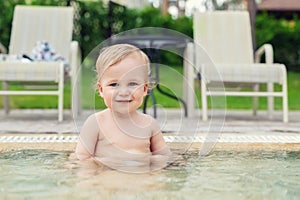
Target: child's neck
[119,115]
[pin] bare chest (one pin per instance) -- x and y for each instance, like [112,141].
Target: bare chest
[127,137]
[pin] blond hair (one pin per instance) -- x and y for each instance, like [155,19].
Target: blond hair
[113,54]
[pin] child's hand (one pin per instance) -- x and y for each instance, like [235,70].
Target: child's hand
[158,162]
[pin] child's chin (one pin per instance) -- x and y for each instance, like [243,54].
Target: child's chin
[125,109]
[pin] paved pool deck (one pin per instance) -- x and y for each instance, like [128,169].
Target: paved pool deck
[171,121]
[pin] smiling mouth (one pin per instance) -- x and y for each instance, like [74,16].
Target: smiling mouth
[123,101]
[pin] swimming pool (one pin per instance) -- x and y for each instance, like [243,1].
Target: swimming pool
[230,171]
[36,174]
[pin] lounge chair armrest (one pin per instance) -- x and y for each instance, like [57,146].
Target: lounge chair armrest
[266,49]
[75,58]
[189,78]
[75,76]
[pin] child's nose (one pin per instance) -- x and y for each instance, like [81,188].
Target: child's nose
[124,91]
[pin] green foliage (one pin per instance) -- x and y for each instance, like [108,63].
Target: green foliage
[284,35]
[91,24]
[152,17]
[92,20]
[7,8]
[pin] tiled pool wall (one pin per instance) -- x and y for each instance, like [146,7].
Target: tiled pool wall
[68,142]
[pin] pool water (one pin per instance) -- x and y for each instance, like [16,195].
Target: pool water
[43,174]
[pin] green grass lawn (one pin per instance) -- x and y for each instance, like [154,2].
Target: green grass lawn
[171,81]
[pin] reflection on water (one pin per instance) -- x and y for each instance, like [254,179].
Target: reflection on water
[36,174]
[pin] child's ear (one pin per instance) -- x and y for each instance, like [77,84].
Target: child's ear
[146,87]
[100,89]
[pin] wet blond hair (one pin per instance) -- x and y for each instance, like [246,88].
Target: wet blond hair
[113,54]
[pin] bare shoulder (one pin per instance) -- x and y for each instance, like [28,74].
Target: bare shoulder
[94,119]
[145,116]
[148,119]
[102,112]
[152,123]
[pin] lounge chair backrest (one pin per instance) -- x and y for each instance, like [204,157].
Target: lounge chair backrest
[38,23]
[231,71]
[234,45]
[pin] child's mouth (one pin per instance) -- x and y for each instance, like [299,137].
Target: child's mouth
[123,101]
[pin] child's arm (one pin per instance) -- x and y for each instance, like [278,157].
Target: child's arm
[161,154]
[88,139]
[158,145]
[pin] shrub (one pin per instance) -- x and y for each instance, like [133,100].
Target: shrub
[284,35]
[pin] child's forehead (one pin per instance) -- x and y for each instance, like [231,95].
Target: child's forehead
[129,64]
[129,71]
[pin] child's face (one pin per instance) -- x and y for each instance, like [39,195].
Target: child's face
[124,84]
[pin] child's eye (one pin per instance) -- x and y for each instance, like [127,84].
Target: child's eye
[132,84]
[113,84]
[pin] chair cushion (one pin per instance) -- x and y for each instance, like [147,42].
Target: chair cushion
[242,73]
